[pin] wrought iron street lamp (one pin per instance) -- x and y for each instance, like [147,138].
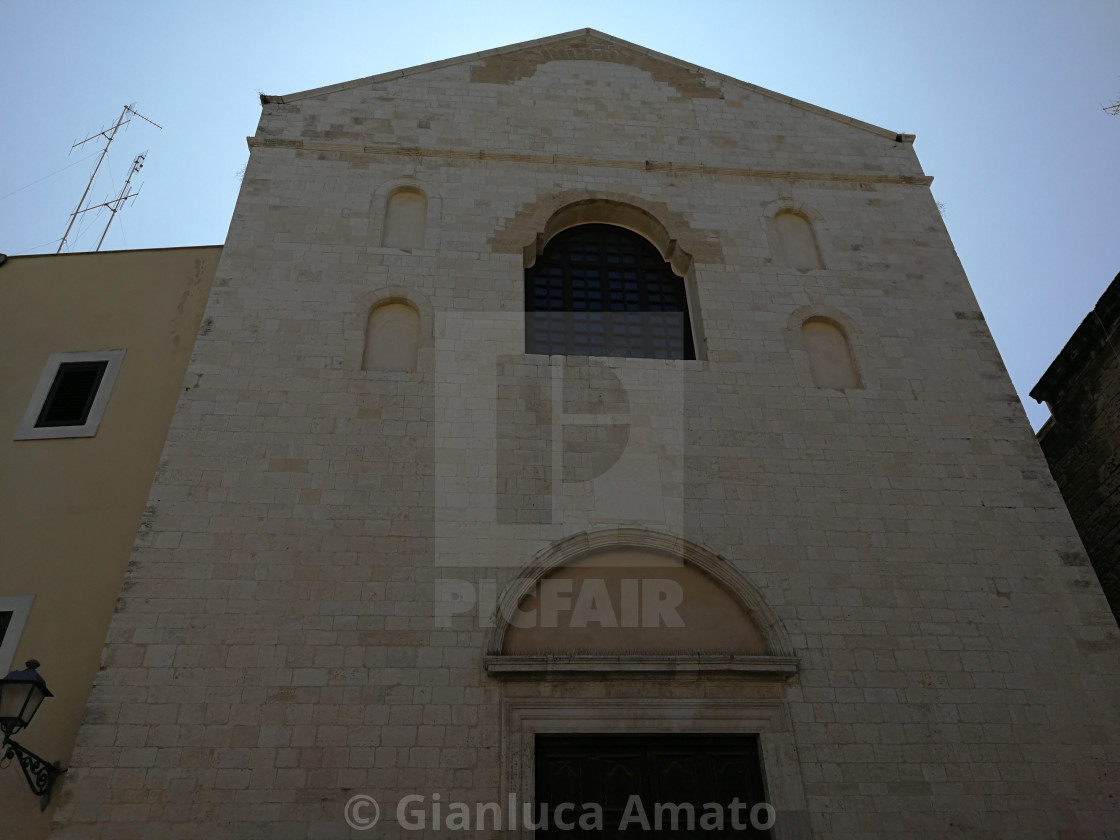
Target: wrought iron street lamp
[21,692]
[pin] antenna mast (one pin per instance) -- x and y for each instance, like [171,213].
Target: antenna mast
[115,204]
[109,134]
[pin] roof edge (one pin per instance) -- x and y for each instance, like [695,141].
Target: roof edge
[576,33]
[432,65]
[11,257]
[1094,331]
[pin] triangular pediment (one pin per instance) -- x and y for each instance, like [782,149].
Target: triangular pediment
[508,64]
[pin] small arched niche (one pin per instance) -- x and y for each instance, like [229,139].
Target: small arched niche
[830,356]
[798,242]
[406,217]
[392,337]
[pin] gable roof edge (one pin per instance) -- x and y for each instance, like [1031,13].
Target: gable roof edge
[824,112]
[587,31]
[431,65]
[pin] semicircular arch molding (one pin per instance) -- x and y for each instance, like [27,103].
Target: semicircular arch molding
[528,229]
[791,205]
[611,212]
[580,547]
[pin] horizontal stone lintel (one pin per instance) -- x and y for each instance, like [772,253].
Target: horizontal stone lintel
[564,160]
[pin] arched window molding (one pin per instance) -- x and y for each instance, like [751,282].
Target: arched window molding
[598,211]
[411,192]
[778,661]
[609,212]
[359,323]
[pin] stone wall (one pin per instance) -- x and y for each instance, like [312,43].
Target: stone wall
[308,618]
[1082,439]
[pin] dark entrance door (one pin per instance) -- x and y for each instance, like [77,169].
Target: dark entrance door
[655,776]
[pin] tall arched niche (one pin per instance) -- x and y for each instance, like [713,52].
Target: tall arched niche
[829,349]
[392,337]
[797,235]
[633,600]
[406,219]
[799,242]
[403,214]
[830,356]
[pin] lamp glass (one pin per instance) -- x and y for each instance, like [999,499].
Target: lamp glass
[19,700]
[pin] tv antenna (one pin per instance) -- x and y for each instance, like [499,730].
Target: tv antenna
[109,134]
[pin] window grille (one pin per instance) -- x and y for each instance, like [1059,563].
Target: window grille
[602,290]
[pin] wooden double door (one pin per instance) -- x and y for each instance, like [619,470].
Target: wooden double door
[710,785]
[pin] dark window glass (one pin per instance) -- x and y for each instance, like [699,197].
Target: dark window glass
[677,769]
[601,290]
[5,620]
[71,395]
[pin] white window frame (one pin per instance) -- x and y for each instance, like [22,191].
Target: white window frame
[27,428]
[20,607]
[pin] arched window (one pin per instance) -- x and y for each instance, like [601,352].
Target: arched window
[602,290]
[406,218]
[799,244]
[392,338]
[830,358]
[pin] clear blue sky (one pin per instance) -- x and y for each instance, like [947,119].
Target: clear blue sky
[1005,98]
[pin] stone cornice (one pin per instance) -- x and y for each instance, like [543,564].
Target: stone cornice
[565,160]
[695,665]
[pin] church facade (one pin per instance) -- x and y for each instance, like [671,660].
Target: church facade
[569,424]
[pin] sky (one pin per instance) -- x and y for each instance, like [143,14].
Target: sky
[1006,98]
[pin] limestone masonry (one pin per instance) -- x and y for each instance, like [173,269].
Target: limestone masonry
[1081,441]
[794,502]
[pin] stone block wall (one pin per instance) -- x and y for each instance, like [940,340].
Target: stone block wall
[1082,439]
[308,615]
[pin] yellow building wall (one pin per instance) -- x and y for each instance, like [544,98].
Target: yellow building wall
[70,507]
